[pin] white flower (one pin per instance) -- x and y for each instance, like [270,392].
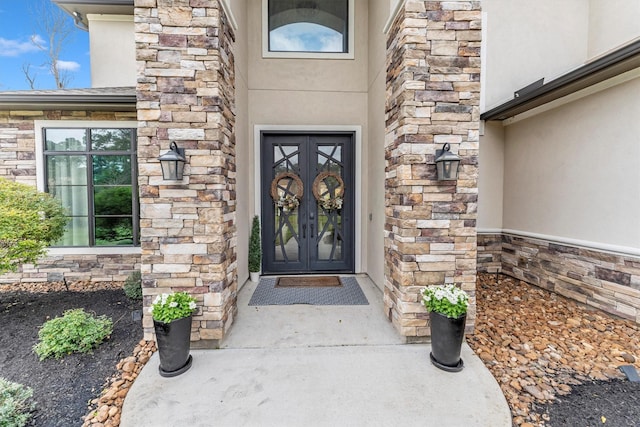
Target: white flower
[192,305]
[157,300]
[173,304]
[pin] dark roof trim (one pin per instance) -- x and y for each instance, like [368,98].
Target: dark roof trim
[613,64]
[41,101]
[97,2]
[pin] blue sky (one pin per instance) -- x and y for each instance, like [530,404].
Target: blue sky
[305,37]
[17,27]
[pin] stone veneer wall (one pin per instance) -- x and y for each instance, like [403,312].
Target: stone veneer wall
[186,94]
[604,280]
[490,252]
[433,92]
[18,163]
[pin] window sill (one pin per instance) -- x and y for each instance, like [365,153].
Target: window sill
[109,250]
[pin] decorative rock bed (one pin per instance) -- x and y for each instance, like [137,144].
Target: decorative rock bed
[106,409]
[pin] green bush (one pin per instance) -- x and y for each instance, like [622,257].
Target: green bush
[15,404]
[29,222]
[255,250]
[133,286]
[76,331]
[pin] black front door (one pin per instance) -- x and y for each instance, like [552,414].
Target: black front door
[307,202]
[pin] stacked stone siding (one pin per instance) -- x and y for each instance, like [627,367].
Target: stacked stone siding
[18,163]
[490,253]
[610,282]
[433,91]
[186,94]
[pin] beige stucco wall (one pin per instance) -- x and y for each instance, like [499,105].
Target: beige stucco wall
[244,143]
[574,171]
[308,92]
[374,176]
[611,24]
[490,177]
[112,46]
[528,40]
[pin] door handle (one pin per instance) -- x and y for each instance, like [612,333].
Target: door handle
[311,235]
[304,231]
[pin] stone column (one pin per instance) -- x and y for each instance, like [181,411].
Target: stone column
[433,93]
[186,94]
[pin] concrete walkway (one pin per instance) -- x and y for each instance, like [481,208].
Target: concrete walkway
[316,366]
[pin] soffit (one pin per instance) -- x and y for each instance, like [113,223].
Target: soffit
[608,66]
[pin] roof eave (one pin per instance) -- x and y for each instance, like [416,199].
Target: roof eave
[67,102]
[613,64]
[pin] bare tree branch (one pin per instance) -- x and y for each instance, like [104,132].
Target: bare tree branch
[31,78]
[57,29]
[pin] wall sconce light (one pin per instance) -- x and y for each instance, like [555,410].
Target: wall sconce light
[447,164]
[172,163]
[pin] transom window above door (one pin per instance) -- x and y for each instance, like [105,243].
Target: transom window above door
[308,28]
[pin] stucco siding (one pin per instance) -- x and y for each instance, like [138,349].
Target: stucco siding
[574,171]
[112,45]
[612,23]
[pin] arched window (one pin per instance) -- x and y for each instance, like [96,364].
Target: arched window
[312,26]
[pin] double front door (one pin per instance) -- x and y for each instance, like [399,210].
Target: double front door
[307,202]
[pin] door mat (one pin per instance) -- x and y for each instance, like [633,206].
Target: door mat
[349,293]
[313,282]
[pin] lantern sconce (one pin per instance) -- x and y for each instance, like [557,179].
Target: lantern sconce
[172,163]
[447,164]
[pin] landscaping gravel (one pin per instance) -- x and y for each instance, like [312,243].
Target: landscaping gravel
[552,356]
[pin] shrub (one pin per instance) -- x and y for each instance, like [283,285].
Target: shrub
[76,331]
[133,286]
[29,222]
[255,251]
[15,404]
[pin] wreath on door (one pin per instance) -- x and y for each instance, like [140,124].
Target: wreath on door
[287,190]
[328,190]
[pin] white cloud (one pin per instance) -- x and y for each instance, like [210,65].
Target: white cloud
[17,47]
[286,43]
[68,65]
[331,43]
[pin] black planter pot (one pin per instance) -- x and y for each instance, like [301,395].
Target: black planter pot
[174,342]
[446,341]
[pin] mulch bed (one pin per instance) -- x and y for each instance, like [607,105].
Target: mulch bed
[62,388]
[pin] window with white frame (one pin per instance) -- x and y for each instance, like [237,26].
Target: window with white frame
[92,171]
[308,28]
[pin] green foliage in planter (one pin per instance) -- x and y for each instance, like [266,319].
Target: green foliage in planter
[133,286]
[15,404]
[76,331]
[255,251]
[169,307]
[448,300]
[30,221]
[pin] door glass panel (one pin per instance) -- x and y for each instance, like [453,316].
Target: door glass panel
[330,193]
[286,237]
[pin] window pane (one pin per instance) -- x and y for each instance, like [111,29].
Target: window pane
[112,200]
[111,139]
[73,198]
[308,25]
[66,139]
[77,233]
[111,170]
[114,232]
[66,170]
